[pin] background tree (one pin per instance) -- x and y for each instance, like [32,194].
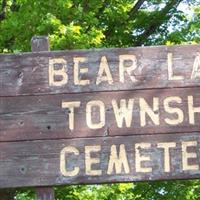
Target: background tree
[75,24]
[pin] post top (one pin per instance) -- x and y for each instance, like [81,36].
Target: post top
[40,43]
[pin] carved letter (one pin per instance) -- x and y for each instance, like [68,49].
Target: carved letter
[196,67]
[171,75]
[186,155]
[101,106]
[61,72]
[78,71]
[123,112]
[130,69]
[117,160]
[172,110]
[104,68]
[71,106]
[153,113]
[63,168]
[89,161]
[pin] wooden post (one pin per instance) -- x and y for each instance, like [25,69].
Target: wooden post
[45,193]
[41,43]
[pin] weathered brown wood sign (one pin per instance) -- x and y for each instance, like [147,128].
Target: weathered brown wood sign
[99,116]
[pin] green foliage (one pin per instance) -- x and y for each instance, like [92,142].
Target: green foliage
[194,26]
[25,194]
[158,190]
[165,190]
[75,24]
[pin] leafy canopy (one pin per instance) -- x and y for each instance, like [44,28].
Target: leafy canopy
[75,24]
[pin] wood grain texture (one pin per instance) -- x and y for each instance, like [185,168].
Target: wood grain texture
[27,73]
[42,117]
[37,163]
[41,43]
[45,193]
[34,128]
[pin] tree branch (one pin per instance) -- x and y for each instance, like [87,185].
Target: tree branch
[131,15]
[151,29]
[3,10]
[135,9]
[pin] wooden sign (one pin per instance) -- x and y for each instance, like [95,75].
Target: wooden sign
[99,116]
[100,160]
[99,70]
